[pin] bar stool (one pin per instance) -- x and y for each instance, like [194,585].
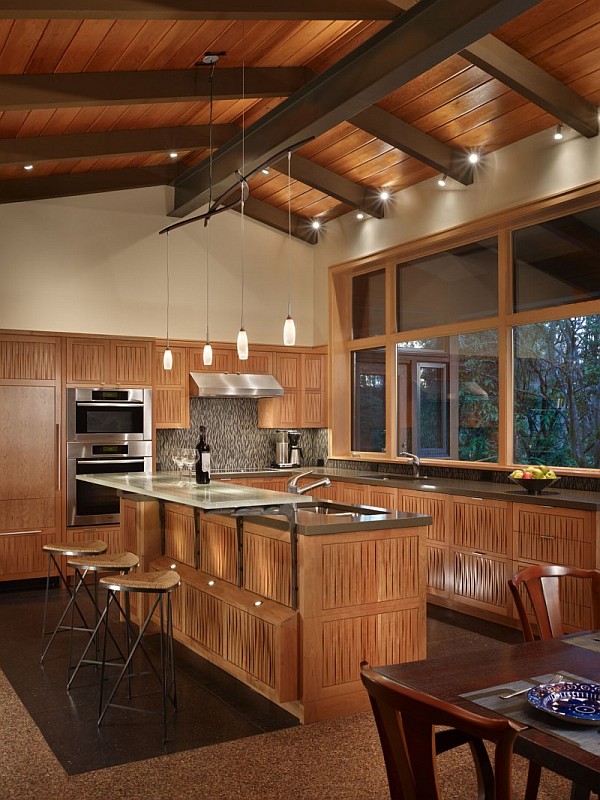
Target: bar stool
[54,551]
[122,563]
[160,583]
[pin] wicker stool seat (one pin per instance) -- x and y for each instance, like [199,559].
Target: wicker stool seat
[56,550]
[122,563]
[161,584]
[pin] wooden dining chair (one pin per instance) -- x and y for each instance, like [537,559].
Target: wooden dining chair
[542,586]
[405,720]
[541,583]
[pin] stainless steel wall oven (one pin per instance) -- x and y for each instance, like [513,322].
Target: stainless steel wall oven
[108,430]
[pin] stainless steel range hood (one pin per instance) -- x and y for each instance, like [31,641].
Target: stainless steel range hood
[233,384]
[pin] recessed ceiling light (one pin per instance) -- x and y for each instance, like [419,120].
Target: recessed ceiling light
[316,224]
[384,194]
[173,155]
[558,134]
[473,158]
[28,167]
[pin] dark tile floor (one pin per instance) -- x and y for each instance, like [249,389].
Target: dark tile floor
[212,706]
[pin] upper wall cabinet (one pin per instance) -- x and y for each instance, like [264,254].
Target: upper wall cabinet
[259,362]
[170,400]
[304,403]
[109,362]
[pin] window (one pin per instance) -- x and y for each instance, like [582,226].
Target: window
[556,397]
[448,396]
[368,406]
[453,286]
[556,262]
[368,304]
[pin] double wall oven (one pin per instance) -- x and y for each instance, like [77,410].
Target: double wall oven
[108,430]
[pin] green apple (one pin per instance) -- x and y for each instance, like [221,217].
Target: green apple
[517,473]
[550,474]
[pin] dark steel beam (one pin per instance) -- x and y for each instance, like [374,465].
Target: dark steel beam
[34,149]
[416,143]
[278,218]
[63,90]
[534,83]
[332,184]
[47,186]
[422,37]
[197,9]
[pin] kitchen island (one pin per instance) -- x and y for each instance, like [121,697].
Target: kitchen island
[286,593]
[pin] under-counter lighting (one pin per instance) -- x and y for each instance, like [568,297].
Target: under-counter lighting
[558,131]
[265,171]
[28,167]
[427,486]
[173,566]
[211,583]
[173,155]
[258,602]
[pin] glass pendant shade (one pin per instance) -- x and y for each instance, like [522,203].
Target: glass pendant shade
[289,332]
[242,345]
[207,355]
[168,359]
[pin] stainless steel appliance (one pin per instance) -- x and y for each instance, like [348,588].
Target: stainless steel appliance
[294,449]
[108,430]
[87,503]
[281,449]
[109,415]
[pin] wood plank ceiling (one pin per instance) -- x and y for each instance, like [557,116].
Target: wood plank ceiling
[96,94]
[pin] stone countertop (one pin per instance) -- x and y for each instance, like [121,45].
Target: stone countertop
[493,490]
[309,523]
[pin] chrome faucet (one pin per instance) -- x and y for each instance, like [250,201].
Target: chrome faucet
[293,487]
[415,463]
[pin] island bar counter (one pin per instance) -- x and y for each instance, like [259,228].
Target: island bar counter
[289,603]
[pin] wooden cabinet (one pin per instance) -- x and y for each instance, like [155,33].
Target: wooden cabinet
[170,398]
[109,362]
[304,403]
[30,461]
[222,361]
[439,508]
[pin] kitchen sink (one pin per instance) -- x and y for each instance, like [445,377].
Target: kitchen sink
[339,509]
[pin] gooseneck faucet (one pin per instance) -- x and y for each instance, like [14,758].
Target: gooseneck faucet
[415,463]
[293,487]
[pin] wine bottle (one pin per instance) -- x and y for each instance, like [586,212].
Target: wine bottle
[203,463]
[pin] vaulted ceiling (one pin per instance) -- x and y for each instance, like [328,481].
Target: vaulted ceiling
[97,95]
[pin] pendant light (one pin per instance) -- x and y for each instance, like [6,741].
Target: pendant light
[168,355]
[209,58]
[289,326]
[242,337]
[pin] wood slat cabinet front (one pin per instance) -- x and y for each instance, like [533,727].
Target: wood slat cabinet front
[304,403]
[109,362]
[556,535]
[170,398]
[439,508]
[30,453]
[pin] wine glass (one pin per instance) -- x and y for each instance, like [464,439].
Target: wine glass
[189,457]
[178,461]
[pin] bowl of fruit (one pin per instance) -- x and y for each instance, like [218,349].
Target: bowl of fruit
[534,478]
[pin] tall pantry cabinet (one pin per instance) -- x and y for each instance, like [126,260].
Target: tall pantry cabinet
[30,463]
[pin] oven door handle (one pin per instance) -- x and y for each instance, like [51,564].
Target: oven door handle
[111,461]
[133,403]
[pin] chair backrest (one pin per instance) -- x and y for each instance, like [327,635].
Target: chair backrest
[542,586]
[405,720]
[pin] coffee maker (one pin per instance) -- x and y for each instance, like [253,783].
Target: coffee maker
[294,449]
[281,449]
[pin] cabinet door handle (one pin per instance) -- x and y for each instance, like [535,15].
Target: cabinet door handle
[546,536]
[476,498]
[19,533]
[58,470]
[479,553]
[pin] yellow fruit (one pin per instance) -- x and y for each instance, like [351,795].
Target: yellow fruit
[517,473]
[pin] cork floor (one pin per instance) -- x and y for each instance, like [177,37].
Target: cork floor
[213,707]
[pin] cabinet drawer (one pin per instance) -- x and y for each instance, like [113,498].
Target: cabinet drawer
[481,581]
[481,524]
[435,506]
[21,554]
[438,569]
[553,535]
[29,514]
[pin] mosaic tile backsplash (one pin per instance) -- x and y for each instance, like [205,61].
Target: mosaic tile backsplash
[235,441]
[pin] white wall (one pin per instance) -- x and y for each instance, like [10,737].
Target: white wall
[534,168]
[96,264]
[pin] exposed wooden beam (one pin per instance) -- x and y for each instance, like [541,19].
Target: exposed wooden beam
[534,83]
[31,188]
[33,149]
[419,39]
[278,218]
[197,9]
[63,90]
[411,140]
[332,184]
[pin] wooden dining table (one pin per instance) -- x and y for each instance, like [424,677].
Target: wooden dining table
[497,664]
